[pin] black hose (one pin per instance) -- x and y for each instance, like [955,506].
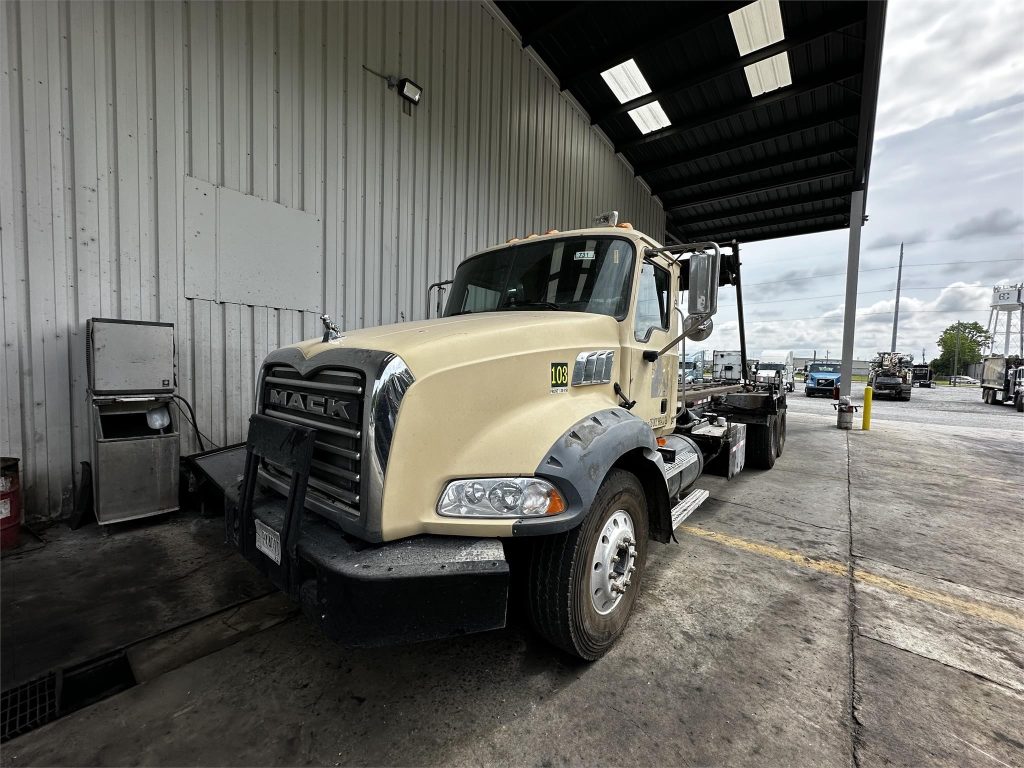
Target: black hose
[191,416]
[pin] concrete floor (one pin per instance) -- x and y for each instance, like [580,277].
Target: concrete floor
[861,604]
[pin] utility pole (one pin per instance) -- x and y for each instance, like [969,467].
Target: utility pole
[956,350]
[896,311]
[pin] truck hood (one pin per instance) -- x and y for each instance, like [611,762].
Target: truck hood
[428,346]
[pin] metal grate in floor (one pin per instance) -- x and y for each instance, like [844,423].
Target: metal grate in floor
[28,706]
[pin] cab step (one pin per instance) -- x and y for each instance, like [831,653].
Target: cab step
[688,506]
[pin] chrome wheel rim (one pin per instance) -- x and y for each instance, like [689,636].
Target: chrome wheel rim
[613,562]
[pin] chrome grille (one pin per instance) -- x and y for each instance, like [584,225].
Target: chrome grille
[330,401]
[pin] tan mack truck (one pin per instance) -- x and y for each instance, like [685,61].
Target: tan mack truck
[533,435]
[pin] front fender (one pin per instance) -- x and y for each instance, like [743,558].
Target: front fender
[578,462]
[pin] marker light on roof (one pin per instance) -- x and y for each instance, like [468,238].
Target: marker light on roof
[757,25]
[626,81]
[768,75]
[650,117]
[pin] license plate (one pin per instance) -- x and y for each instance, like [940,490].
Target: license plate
[268,541]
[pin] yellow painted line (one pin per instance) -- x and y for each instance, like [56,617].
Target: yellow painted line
[995,614]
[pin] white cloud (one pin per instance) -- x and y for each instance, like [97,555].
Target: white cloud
[944,56]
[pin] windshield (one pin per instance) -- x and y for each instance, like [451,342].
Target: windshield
[771,367]
[580,274]
[823,368]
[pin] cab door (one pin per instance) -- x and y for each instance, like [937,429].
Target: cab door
[653,385]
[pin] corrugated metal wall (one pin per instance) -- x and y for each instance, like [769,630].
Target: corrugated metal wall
[106,107]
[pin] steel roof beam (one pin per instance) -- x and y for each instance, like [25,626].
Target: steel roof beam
[822,80]
[737,233]
[875,31]
[757,166]
[757,208]
[771,133]
[710,13]
[804,177]
[550,24]
[772,235]
[793,218]
[802,37]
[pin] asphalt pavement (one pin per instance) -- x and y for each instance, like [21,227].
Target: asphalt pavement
[952,406]
[861,604]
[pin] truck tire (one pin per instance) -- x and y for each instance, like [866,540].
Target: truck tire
[1018,403]
[762,444]
[780,434]
[573,604]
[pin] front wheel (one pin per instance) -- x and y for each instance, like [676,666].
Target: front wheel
[1018,403]
[583,582]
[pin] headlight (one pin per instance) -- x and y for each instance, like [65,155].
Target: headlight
[500,497]
[388,391]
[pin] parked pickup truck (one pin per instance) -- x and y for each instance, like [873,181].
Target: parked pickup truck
[535,426]
[821,379]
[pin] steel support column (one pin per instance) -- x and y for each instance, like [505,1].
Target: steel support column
[850,312]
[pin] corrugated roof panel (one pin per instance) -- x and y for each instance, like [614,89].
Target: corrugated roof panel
[727,151]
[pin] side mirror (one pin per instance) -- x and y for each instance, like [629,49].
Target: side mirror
[702,291]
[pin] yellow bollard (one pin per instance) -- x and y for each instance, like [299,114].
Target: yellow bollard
[866,413]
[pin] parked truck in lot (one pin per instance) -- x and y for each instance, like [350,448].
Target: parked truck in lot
[922,376]
[891,375]
[536,426]
[821,379]
[691,369]
[1002,380]
[727,366]
[775,368]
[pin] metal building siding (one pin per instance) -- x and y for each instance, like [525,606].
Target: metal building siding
[107,107]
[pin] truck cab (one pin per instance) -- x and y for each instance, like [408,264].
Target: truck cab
[776,369]
[538,418]
[821,379]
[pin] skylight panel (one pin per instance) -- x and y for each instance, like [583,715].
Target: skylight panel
[757,25]
[768,75]
[626,81]
[650,117]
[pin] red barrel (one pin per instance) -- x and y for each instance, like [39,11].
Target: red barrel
[10,502]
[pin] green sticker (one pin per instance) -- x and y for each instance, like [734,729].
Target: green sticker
[559,377]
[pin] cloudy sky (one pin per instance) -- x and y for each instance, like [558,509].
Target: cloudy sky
[947,178]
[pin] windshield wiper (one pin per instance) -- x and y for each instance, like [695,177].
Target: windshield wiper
[521,304]
[461,312]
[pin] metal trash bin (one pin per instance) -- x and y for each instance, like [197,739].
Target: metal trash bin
[845,409]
